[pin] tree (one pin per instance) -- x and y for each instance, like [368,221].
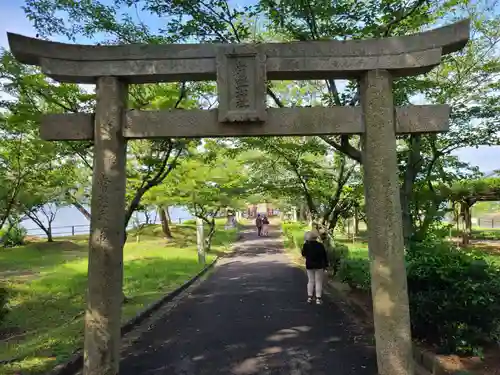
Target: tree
[465,80]
[305,170]
[468,80]
[209,183]
[465,194]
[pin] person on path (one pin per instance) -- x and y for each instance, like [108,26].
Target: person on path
[258,224]
[316,263]
[265,226]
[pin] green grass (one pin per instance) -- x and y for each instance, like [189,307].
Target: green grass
[479,233]
[47,293]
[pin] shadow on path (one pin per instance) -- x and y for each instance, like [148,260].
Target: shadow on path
[250,317]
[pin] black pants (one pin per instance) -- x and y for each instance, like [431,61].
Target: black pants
[259,230]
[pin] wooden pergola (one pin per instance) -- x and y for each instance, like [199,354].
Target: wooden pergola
[467,193]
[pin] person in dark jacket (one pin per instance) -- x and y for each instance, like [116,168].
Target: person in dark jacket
[316,263]
[258,224]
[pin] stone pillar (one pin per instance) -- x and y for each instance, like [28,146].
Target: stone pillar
[107,233]
[200,240]
[385,233]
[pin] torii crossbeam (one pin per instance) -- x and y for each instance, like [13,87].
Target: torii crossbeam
[241,72]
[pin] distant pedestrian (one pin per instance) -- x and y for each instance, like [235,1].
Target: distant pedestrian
[258,224]
[265,226]
[316,263]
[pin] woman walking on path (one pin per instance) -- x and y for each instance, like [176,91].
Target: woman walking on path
[316,264]
[265,226]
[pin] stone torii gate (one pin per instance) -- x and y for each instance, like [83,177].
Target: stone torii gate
[241,72]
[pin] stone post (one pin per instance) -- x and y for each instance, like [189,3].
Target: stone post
[385,235]
[200,240]
[107,233]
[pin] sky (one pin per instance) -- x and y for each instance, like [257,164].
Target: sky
[12,19]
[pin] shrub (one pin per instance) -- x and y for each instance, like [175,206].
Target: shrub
[336,253]
[294,234]
[355,273]
[14,237]
[3,303]
[454,298]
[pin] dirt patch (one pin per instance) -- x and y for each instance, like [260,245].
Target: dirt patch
[20,276]
[10,333]
[56,245]
[489,365]
[487,246]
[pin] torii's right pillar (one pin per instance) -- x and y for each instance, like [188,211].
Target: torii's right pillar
[391,312]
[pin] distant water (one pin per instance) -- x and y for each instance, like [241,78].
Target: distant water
[69,220]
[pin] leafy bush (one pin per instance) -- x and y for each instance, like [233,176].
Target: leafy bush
[14,237]
[3,303]
[355,273]
[336,253]
[294,234]
[454,298]
[454,295]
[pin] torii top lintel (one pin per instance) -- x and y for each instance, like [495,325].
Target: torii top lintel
[146,63]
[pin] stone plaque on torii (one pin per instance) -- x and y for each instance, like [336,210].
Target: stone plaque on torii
[241,72]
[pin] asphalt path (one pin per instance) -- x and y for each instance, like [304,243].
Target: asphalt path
[251,317]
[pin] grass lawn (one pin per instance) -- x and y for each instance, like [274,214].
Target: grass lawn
[47,282]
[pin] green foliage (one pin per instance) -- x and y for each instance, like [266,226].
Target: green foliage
[454,298]
[4,299]
[294,235]
[14,237]
[474,190]
[355,272]
[305,170]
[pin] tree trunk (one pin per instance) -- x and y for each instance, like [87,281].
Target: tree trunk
[467,224]
[78,206]
[208,240]
[168,214]
[147,216]
[164,223]
[356,222]
[49,233]
[414,163]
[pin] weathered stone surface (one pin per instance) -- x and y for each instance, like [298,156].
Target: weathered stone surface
[405,55]
[204,69]
[132,71]
[352,66]
[451,38]
[107,233]
[280,121]
[241,84]
[385,234]
[67,126]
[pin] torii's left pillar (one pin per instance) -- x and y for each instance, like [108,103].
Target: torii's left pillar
[107,232]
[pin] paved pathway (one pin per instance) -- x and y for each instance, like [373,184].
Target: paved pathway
[250,317]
